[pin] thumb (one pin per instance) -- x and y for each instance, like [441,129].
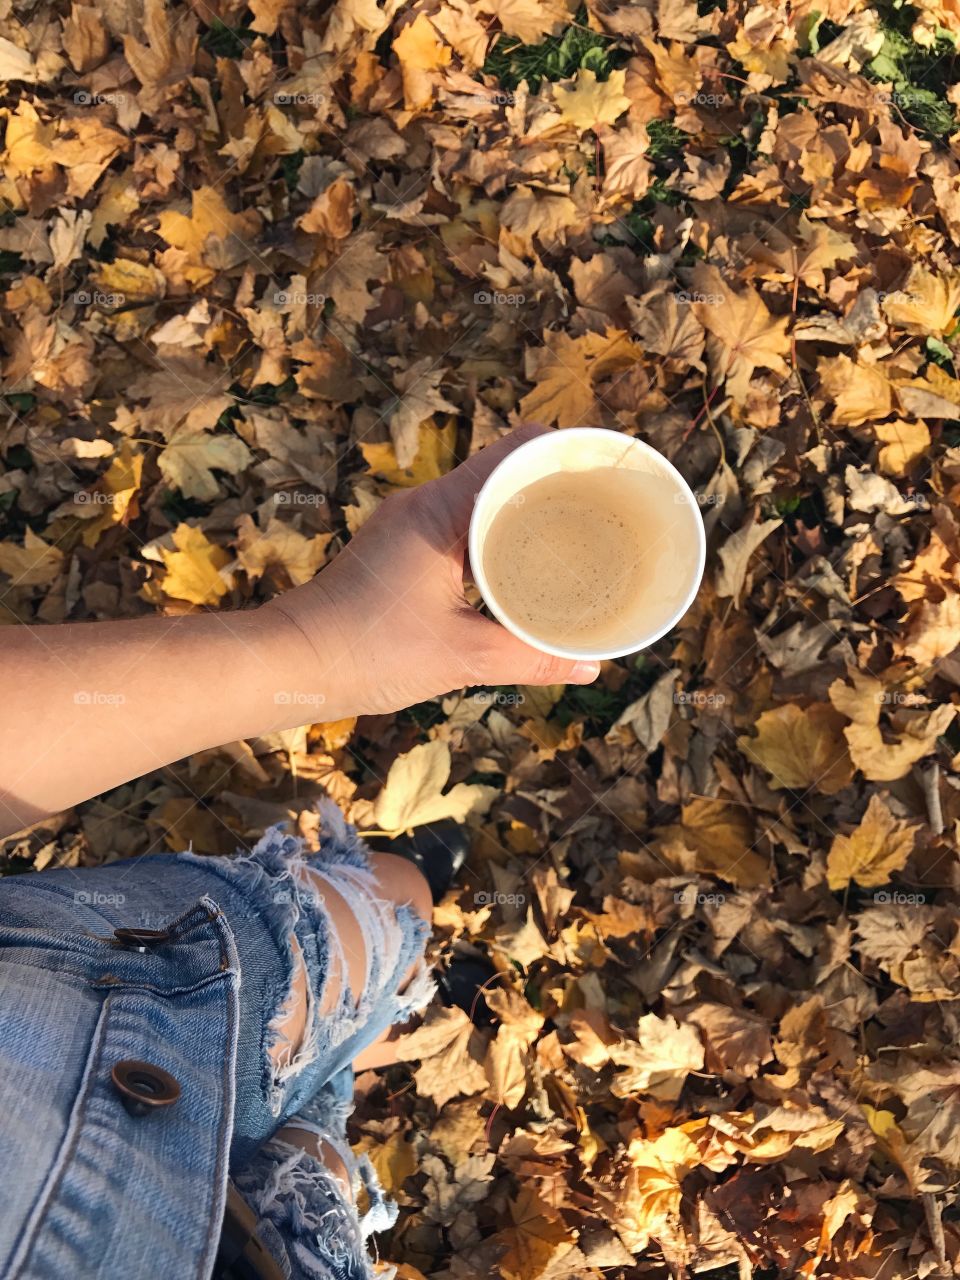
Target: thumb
[498,657]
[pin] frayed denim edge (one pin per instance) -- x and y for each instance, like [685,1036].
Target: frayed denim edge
[276,878]
[305,1218]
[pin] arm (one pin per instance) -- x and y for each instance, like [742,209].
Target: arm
[90,705]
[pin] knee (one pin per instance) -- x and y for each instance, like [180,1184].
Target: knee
[401,882]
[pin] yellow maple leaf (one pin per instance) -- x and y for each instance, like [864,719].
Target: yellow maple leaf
[563,394]
[394,1159]
[880,845]
[422,53]
[933,629]
[744,335]
[280,546]
[129,281]
[115,495]
[589,102]
[648,1200]
[893,1142]
[926,304]
[332,734]
[412,794]
[800,748]
[193,569]
[537,1240]
[35,564]
[28,144]
[565,371]
[904,443]
[716,838]
[549,736]
[211,237]
[658,1061]
[933,567]
[434,456]
[860,392]
[770,60]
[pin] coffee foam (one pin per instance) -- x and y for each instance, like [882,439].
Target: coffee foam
[582,559]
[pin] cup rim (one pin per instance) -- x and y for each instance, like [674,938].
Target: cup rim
[563,651]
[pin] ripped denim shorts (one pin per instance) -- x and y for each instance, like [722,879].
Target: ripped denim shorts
[158,981]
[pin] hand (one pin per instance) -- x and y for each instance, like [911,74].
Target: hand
[387,623]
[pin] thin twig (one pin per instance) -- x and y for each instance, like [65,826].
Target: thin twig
[930,782]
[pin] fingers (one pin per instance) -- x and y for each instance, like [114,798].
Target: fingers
[455,493]
[498,657]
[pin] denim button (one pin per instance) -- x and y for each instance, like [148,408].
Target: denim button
[144,1087]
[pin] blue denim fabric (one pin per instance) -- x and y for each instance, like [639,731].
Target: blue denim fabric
[90,1190]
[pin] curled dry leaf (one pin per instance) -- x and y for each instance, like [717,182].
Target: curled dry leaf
[412,794]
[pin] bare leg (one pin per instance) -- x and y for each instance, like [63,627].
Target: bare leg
[328,1156]
[398,881]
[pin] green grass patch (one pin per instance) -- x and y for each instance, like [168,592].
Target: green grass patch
[290,168]
[227,42]
[920,77]
[666,140]
[178,508]
[266,393]
[556,58]
[21,402]
[599,706]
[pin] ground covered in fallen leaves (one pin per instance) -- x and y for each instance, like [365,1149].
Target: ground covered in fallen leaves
[264,263]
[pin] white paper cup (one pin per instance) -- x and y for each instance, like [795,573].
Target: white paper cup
[678,543]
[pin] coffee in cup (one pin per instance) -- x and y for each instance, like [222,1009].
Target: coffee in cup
[587,543]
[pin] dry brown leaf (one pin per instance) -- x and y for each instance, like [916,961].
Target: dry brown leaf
[860,392]
[885,759]
[657,1062]
[879,846]
[904,444]
[736,552]
[589,103]
[800,748]
[411,795]
[716,838]
[744,336]
[280,546]
[441,1046]
[537,1240]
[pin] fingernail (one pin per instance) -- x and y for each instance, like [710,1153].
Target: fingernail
[584,672]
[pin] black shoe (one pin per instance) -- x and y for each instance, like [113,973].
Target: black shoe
[438,850]
[462,985]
